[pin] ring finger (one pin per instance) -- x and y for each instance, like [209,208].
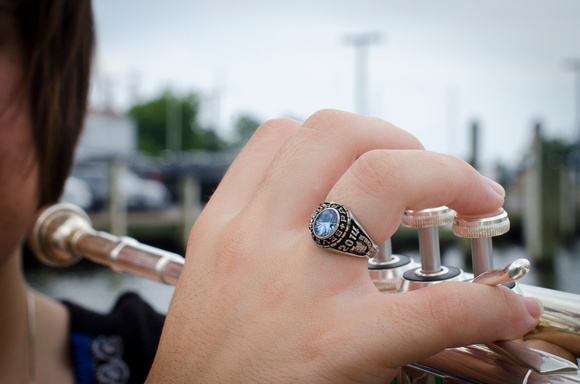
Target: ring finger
[382,184]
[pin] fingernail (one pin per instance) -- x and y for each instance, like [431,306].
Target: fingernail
[496,187]
[533,305]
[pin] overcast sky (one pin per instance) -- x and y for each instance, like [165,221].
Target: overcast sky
[439,65]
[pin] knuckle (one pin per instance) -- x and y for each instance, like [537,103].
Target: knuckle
[447,308]
[326,119]
[376,172]
[452,164]
[403,318]
[274,128]
[453,313]
[511,309]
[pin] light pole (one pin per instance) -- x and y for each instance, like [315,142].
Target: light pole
[574,64]
[361,42]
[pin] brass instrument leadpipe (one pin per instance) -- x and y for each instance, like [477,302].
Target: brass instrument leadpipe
[62,235]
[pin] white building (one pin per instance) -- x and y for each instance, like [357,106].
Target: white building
[107,135]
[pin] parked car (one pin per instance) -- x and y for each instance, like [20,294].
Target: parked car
[77,191]
[207,168]
[142,194]
[96,175]
[137,192]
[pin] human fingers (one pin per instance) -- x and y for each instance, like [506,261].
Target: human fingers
[551,348]
[319,153]
[568,341]
[383,184]
[444,315]
[247,171]
[377,188]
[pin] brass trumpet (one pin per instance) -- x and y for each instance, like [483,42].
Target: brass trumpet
[63,234]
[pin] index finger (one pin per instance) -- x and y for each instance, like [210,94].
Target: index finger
[320,152]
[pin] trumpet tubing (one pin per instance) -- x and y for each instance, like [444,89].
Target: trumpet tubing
[63,234]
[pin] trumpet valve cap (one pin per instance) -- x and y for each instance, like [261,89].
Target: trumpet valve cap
[480,226]
[426,218]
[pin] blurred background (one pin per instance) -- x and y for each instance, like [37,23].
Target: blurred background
[179,86]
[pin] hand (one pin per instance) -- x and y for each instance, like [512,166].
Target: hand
[258,301]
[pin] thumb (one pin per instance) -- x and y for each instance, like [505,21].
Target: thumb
[449,314]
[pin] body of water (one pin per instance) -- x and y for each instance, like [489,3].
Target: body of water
[97,287]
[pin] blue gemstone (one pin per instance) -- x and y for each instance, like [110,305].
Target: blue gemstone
[325,223]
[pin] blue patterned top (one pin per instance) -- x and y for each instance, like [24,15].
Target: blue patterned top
[114,348]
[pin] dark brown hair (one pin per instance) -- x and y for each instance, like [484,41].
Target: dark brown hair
[58,42]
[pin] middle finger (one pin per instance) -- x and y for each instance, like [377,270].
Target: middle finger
[312,161]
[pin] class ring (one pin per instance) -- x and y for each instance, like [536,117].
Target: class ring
[333,227]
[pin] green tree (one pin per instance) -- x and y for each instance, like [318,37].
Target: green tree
[245,127]
[154,116]
[558,152]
